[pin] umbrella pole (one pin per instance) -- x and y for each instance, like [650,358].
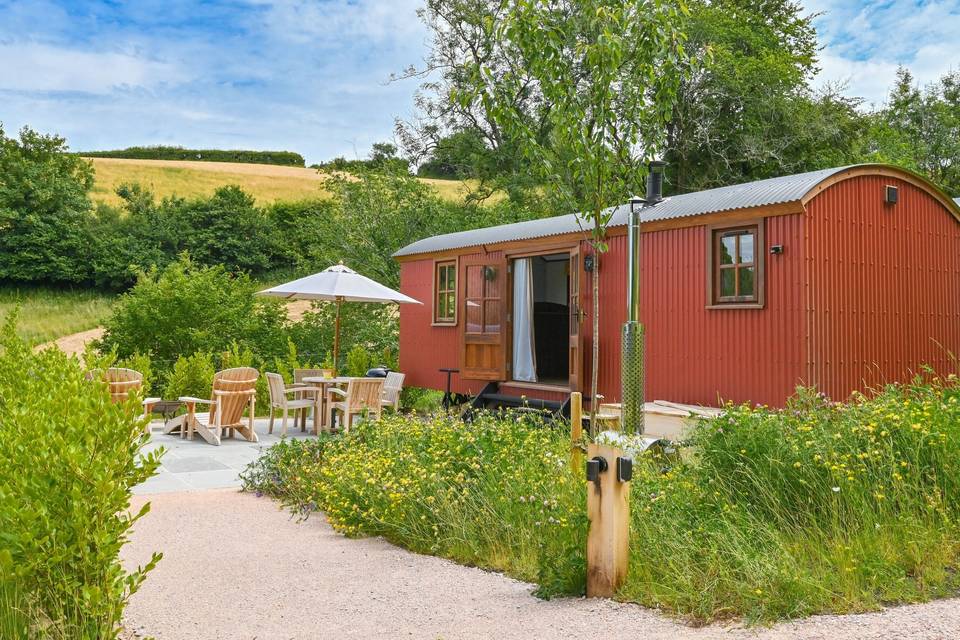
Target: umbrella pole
[336,337]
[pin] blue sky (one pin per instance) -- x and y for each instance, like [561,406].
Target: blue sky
[311,76]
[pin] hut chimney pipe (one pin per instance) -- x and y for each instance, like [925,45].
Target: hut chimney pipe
[632,366]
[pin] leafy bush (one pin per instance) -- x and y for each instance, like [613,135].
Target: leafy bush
[770,514]
[160,152]
[191,376]
[187,308]
[358,361]
[496,493]
[44,210]
[420,400]
[68,460]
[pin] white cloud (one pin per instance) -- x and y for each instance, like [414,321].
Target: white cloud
[864,42]
[30,66]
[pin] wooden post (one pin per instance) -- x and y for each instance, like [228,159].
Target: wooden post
[576,431]
[608,508]
[336,337]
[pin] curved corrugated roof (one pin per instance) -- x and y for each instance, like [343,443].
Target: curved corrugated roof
[740,196]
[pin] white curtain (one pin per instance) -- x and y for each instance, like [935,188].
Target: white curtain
[524,358]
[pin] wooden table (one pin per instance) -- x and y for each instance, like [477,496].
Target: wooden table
[325,384]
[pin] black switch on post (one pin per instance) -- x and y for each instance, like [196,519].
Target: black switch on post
[624,469]
[596,466]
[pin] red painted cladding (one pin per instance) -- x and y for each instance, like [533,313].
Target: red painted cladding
[700,355]
[883,285]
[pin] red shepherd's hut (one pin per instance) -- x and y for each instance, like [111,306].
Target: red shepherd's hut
[842,279]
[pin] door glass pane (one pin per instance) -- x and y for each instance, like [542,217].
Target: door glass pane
[473,316]
[491,276]
[746,247]
[475,281]
[492,316]
[727,284]
[728,249]
[746,281]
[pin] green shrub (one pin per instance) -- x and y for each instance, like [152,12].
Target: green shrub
[68,460]
[358,361]
[45,211]
[188,308]
[191,376]
[420,400]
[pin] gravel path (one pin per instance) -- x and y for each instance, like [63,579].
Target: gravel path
[236,566]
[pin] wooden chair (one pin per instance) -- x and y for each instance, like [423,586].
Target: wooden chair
[298,376]
[306,398]
[392,386]
[362,396]
[121,382]
[234,390]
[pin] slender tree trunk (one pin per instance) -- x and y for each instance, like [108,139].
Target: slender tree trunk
[595,346]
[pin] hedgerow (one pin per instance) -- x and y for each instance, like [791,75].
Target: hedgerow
[161,152]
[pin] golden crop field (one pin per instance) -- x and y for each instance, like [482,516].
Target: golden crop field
[267,183]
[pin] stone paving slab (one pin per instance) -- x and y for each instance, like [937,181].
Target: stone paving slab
[195,465]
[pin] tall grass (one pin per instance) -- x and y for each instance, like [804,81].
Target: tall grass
[821,507]
[48,313]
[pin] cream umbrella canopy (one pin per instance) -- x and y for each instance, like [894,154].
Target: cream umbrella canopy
[338,284]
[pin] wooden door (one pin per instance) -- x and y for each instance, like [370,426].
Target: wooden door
[483,315]
[575,351]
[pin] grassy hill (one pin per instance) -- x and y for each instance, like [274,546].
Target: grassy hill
[267,183]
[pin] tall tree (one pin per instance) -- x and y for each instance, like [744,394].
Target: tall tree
[45,211]
[920,129]
[602,76]
[747,110]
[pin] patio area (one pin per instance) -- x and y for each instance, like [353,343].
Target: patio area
[194,465]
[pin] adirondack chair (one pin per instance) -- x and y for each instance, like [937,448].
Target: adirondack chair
[233,391]
[362,395]
[392,386]
[121,383]
[307,398]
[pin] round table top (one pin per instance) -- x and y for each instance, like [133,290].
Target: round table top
[322,380]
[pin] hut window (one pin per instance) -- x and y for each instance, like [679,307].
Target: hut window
[735,259]
[445,293]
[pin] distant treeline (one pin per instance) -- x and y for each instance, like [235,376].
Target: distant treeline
[285,158]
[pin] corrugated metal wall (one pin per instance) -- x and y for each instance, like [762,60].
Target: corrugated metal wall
[883,294]
[700,355]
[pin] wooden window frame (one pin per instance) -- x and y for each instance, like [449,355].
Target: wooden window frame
[713,233]
[437,264]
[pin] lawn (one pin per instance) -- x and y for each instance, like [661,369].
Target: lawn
[47,314]
[267,183]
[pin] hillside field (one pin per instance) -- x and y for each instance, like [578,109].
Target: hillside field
[267,183]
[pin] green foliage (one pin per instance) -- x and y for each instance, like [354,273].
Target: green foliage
[44,210]
[747,110]
[160,152]
[191,376]
[495,493]
[918,129]
[383,157]
[420,400]
[188,308]
[458,155]
[358,361]
[769,514]
[371,327]
[68,460]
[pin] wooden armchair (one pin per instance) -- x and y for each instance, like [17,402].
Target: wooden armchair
[122,382]
[392,386]
[234,390]
[362,396]
[306,398]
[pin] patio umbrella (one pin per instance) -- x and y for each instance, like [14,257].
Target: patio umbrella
[338,284]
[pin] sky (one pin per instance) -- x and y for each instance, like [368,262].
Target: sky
[312,76]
